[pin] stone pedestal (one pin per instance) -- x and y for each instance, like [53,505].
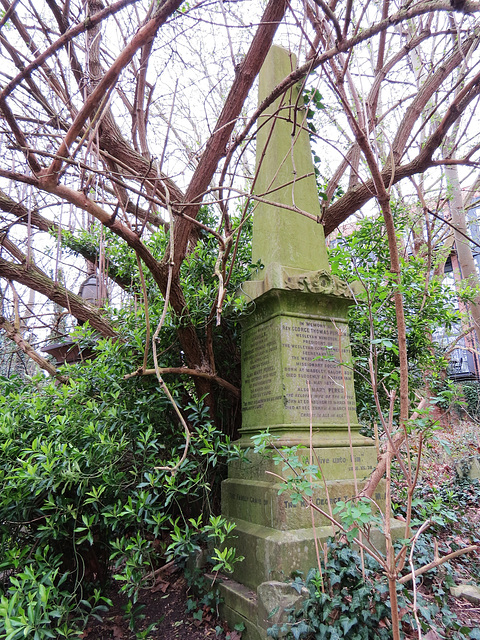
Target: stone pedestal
[294,339]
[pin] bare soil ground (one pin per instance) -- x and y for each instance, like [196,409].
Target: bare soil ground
[165,608]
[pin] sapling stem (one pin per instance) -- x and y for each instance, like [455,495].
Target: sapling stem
[312,513]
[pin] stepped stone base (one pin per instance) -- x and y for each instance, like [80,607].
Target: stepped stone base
[274,533]
[261,607]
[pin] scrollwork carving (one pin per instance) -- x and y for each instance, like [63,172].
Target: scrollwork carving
[318,282]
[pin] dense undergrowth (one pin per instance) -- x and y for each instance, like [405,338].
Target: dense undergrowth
[83,495]
[82,498]
[344,602]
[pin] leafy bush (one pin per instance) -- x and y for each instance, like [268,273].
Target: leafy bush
[471,393]
[80,490]
[443,505]
[347,607]
[200,287]
[38,604]
[363,257]
[341,603]
[82,494]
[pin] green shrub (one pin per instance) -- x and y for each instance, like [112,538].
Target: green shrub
[81,494]
[344,604]
[347,607]
[38,603]
[363,258]
[471,393]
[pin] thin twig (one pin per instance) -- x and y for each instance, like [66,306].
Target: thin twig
[187,372]
[317,550]
[147,315]
[437,563]
[166,390]
[424,526]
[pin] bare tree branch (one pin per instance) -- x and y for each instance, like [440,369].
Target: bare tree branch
[35,279]
[15,335]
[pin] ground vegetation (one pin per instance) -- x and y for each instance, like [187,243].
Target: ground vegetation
[127,134]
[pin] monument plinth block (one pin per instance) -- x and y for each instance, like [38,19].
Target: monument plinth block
[334,463]
[296,367]
[274,554]
[265,503]
[259,607]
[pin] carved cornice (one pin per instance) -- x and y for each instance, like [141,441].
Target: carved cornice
[318,282]
[276,276]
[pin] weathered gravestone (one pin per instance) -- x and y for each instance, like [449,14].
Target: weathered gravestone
[294,337]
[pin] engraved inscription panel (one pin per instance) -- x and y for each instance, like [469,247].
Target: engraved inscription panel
[312,352]
[260,376]
[282,354]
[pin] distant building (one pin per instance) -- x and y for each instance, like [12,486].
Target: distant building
[465,360]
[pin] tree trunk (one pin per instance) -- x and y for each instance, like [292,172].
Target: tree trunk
[466,262]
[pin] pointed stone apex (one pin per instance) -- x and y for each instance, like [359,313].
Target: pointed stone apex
[285,178]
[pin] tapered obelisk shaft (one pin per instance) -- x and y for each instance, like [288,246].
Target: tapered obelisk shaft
[285,176]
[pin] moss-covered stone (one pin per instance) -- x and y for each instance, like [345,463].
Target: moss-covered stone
[297,375]
[285,176]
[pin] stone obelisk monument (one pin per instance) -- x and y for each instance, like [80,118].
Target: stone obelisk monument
[294,337]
